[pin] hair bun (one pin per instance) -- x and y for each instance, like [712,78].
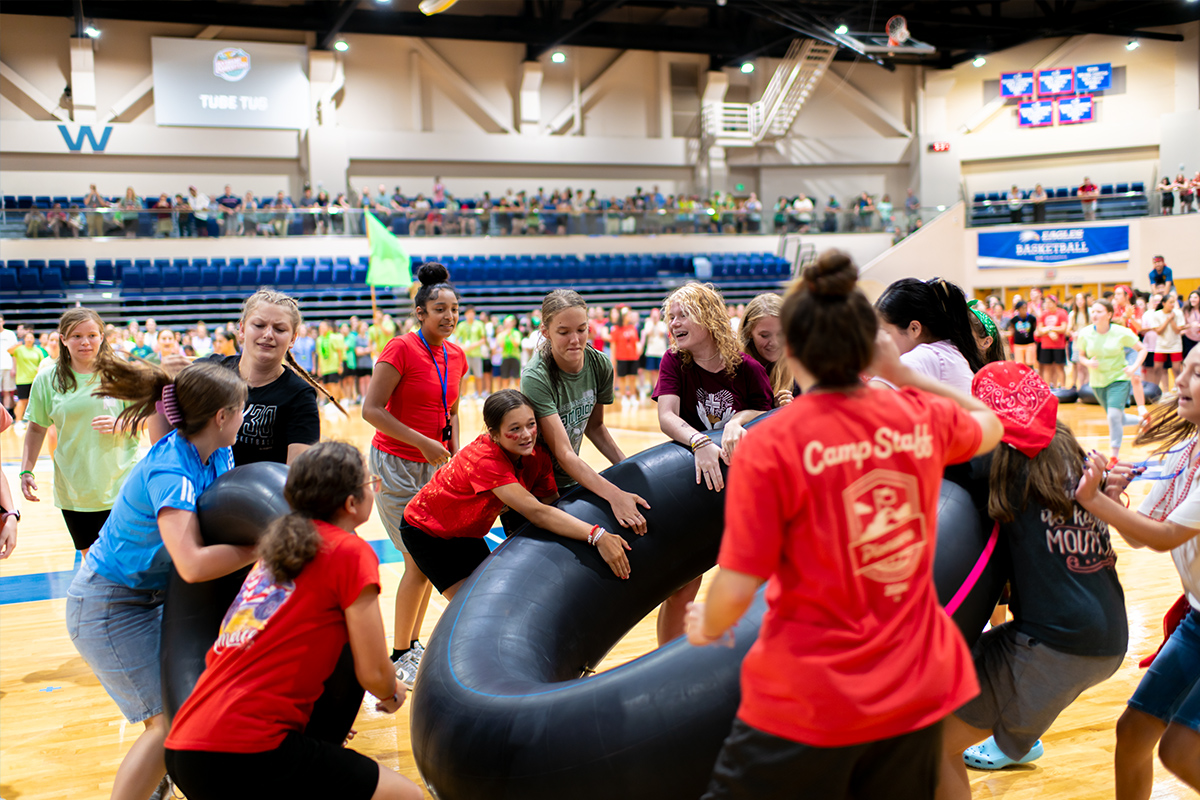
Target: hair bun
[432,273]
[833,275]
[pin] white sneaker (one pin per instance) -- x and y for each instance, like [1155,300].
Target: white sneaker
[417,650]
[406,668]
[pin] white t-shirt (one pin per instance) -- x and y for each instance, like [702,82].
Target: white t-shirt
[1168,341]
[7,339]
[1186,513]
[941,361]
[655,335]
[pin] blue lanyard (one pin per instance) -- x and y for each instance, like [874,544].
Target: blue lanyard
[442,380]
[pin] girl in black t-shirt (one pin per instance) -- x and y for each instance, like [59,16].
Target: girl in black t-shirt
[1069,629]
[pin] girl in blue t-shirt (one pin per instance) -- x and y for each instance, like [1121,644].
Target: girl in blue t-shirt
[114,604]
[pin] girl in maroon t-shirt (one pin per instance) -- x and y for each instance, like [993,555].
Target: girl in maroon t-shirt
[242,733]
[833,500]
[705,384]
[445,523]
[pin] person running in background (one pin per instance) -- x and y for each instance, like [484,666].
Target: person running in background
[27,356]
[412,402]
[94,454]
[471,337]
[241,734]
[330,359]
[1102,350]
[625,342]
[856,664]
[1052,355]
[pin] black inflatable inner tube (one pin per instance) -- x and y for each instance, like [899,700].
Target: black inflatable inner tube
[501,708]
[1152,390]
[236,509]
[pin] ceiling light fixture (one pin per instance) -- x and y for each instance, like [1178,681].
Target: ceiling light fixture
[558,57]
[92,31]
[978,62]
[341,46]
[1132,44]
[747,68]
[841,30]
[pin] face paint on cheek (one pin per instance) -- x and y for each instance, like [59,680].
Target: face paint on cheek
[512,437]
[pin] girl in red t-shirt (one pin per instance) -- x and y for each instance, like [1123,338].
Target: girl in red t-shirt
[412,402]
[833,500]
[625,344]
[242,731]
[445,523]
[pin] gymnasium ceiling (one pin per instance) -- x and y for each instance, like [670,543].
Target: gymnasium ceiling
[728,31]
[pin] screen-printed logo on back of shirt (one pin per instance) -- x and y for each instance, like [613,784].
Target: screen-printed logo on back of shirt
[887,528]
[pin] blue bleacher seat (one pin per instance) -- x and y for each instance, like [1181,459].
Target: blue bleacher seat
[323,275]
[143,263]
[273,262]
[120,265]
[210,277]
[228,279]
[342,260]
[51,279]
[39,263]
[104,271]
[246,275]
[24,201]
[291,262]
[1138,187]
[308,261]
[358,275]
[8,280]
[266,275]
[131,280]
[152,281]
[237,262]
[42,201]
[1106,189]
[16,263]
[172,278]
[77,272]
[199,262]
[304,277]
[1122,188]
[10,202]
[179,262]
[285,276]
[218,263]
[254,262]
[189,277]
[341,274]
[162,262]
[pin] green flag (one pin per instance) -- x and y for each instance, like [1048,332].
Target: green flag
[390,265]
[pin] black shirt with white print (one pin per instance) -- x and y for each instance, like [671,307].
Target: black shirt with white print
[278,414]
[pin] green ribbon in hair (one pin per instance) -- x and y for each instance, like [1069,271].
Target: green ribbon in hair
[989,324]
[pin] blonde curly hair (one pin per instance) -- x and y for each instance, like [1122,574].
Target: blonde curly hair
[765,305]
[703,302]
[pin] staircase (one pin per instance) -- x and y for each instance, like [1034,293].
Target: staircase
[771,117]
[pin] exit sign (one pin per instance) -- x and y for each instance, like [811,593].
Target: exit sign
[939,147]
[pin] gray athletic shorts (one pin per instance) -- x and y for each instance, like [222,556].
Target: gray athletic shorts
[475,366]
[1024,685]
[8,381]
[402,479]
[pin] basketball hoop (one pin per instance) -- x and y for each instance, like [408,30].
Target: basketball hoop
[897,31]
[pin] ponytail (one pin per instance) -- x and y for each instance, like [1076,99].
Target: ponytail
[198,392]
[941,308]
[318,483]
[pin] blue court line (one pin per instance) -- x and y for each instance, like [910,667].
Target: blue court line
[53,585]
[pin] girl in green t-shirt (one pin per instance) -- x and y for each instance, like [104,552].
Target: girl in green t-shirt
[94,455]
[1102,350]
[331,352]
[26,357]
[569,383]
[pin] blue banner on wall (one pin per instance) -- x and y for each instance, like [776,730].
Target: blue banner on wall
[1076,109]
[1058,247]
[1056,81]
[1093,78]
[1016,84]
[1035,114]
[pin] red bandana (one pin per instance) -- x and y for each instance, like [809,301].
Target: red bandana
[1022,401]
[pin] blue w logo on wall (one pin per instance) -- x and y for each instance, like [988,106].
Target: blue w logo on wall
[85,131]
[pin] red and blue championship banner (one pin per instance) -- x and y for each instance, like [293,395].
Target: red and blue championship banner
[1016,84]
[1058,247]
[1072,110]
[1035,114]
[1053,82]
